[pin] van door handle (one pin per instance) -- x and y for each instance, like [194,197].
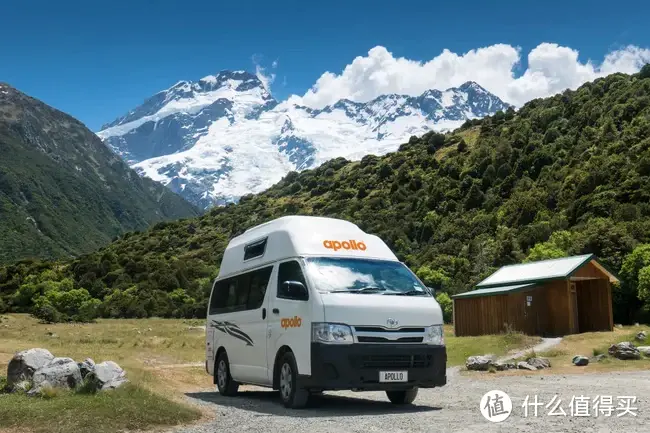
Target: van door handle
[263,313]
[276,311]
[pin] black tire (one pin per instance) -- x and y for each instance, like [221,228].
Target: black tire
[402,397]
[225,383]
[292,396]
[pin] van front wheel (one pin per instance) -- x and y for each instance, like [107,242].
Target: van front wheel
[292,396]
[225,383]
[402,397]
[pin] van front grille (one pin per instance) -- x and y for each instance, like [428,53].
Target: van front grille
[378,335]
[362,339]
[395,361]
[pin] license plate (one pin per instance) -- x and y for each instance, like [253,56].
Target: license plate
[393,376]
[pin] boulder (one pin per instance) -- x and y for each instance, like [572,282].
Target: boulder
[624,350]
[23,365]
[521,365]
[641,336]
[539,363]
[501,366]
[580,360]
[86,367]
[107,375]
[59,373]
[645,350]
[480,363]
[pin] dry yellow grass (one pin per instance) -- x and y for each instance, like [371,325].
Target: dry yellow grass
[162,358]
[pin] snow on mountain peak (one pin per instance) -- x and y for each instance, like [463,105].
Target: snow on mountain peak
[224,136]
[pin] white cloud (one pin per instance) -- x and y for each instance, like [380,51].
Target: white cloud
[551,69]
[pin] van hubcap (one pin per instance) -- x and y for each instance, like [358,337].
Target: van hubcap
[285,381]
[221,374]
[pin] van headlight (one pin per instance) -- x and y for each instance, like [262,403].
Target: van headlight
[331,333]
[434,335]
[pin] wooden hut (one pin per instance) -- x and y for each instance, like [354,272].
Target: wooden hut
[548,298]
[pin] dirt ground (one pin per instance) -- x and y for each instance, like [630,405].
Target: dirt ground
[453,408]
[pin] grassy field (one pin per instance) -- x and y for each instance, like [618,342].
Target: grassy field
[594,343]
[163,358]
[149,350]
[586,344]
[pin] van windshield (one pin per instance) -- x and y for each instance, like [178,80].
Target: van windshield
[351,275]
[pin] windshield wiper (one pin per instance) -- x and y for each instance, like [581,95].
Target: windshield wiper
[409,293]
[367,289]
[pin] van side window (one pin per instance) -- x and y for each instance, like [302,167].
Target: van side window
[254,250]
[259,282]
[243,292]
[289,271]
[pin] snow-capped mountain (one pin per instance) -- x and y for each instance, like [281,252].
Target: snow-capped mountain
[225,136]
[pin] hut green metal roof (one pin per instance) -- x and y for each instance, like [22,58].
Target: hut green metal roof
[523,276]
[502,290]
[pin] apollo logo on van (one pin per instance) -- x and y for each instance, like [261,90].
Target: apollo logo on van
[292,322]
[344,245]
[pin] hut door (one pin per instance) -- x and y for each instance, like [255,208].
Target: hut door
[573,296]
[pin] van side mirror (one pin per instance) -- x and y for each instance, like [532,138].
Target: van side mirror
[295,290]
[432,290]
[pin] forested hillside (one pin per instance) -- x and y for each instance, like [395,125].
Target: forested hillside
[62,191]
[564,175]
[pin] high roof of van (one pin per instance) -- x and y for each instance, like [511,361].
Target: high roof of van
[300,236]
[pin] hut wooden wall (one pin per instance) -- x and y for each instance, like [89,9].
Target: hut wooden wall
[557,308]
[594,305]
[492,314]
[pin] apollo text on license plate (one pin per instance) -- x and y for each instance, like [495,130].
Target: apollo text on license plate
[393,376]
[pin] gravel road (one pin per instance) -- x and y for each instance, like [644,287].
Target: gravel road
[453,408]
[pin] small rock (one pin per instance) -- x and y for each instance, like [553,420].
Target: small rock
[480,363]
[539,363]
[149,329]
[502,366]
[580,360]
[598,358]
[521,365]
[618,325]
[107,375]
[52,334]
[59,373]
[196,328]
[645,350]
[23,365]
[624,350]
[86,367]
[641,336]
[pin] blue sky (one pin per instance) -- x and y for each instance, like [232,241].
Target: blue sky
[97,60]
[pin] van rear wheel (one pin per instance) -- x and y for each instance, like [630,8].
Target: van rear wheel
[225,383]
[292,396]
[402,397]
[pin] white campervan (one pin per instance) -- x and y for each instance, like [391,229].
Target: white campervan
[306,304]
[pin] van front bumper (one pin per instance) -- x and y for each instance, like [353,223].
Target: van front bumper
[358,366]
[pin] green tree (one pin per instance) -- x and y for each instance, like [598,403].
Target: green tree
[447,306]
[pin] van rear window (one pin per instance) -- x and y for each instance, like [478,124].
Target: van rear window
[254,250]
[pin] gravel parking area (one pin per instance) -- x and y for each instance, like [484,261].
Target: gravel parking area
[453,408]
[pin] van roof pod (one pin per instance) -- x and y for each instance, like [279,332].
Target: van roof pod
[298,236]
